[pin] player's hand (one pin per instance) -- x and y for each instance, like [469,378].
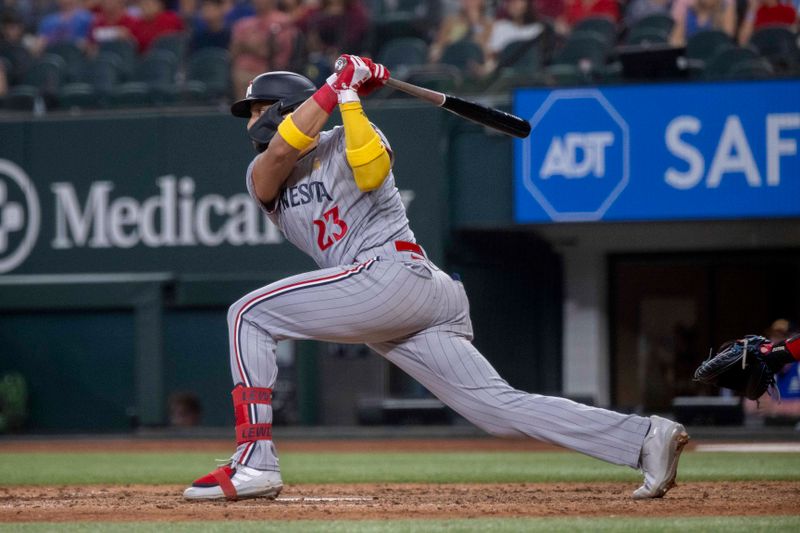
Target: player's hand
[378,79]
[356,76]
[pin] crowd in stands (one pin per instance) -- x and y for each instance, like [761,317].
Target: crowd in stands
[479,39]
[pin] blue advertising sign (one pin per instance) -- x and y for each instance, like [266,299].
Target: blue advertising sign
[659,152]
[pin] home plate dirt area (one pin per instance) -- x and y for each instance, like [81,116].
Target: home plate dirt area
[396,501]
[137,503]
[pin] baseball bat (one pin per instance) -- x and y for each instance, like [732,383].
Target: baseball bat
[484,115]
[481,114]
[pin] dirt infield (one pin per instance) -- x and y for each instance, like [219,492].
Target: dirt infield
[372,501]
[396,501]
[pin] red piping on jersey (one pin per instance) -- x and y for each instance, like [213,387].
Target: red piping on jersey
[405,246]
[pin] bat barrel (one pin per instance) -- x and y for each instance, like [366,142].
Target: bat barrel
[488,116]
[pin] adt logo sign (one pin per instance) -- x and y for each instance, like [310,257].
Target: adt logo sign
[19,216]
[575,162]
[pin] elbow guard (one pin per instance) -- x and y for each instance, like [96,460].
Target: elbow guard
[370,164]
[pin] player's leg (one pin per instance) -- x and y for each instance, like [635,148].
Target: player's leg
[444,360]
[371,301]
[449,366]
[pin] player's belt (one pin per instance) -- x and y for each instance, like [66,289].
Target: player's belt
[405,246]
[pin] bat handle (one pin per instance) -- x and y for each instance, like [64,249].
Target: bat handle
[434,97]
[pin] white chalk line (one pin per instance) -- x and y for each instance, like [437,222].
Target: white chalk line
[310,499]
[750,447]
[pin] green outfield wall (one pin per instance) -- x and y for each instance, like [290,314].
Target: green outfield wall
[137,233]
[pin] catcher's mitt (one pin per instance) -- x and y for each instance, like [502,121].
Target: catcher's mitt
[739,365]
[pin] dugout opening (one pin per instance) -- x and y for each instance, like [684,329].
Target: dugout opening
[667,309]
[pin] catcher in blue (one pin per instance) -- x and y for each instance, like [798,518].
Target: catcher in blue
[333,195]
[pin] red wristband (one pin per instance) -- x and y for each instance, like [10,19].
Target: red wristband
[326,98]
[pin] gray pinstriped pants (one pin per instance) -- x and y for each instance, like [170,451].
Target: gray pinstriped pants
[417,317]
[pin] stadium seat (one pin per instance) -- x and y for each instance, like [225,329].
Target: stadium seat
[722,64]
[601,26]
[193,92]
[586,50]
[78,95]
[751,69]
[444,78]
[703,46]
[47,73]
[407,18]
[565,74]
[103,73]
[403,51]
[507,79]
[645,35]
[780,46]
[73,57]
[21,98]
[125,50]
[211,66]
[131,94]
[174,42]
[463,54]
[159,70]
[656,21]
[20,60]
[521,55]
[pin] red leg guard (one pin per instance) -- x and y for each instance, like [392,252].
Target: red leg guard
[243,397]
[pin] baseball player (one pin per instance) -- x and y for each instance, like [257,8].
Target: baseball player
[332,194]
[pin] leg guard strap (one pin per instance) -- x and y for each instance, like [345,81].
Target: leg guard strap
[222,476]
[243,397]
[250,432]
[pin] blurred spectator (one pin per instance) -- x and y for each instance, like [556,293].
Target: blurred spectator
[12,29]
[639,9]
[155,21]
[31,12]
[260,43]
[471,22]
[335,27]
[693,16]
[549,9]
[297,9]
[112,23]
[239,10]
[577,10]
[209,28]
[762,13]
[70,24]
[184,410]
[517,21]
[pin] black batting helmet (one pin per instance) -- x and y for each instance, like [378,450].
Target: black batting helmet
[286,90]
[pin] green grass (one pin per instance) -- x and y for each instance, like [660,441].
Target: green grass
[728,524]
[299,468]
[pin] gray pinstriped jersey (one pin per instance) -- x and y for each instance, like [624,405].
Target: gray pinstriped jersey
[322,211]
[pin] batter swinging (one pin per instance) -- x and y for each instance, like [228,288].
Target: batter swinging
[332,194]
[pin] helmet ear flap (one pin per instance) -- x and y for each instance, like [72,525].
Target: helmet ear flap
[264,129]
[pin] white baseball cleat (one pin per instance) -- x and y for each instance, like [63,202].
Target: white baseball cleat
[661,451]
[226,483]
